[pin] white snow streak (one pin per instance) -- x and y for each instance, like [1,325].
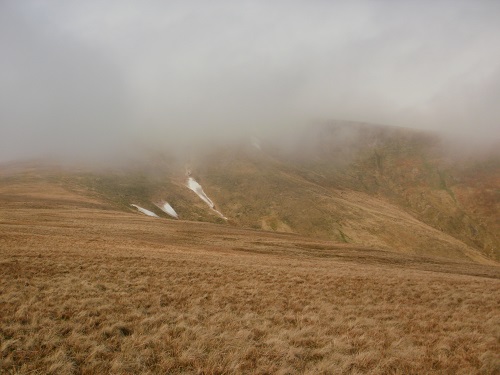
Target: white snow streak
[256,143]
[144,211]
[196,187]
[167,208]
[219,213]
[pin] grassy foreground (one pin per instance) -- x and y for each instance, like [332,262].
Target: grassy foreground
[85,289]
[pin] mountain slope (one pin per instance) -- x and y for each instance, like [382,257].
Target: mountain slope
[89,286]
[380,187]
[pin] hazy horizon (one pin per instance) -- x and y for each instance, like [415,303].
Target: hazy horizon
[95,77]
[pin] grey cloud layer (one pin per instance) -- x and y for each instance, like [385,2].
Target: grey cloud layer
[94,76]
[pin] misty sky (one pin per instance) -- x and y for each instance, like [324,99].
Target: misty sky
[92,77]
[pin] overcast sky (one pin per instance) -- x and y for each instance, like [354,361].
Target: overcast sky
[80,77]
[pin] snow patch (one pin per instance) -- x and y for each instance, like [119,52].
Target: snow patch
[219,213]
[196,187]
[144,211]
[256,143]
[167,208]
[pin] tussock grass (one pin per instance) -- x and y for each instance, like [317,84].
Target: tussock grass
[91,291]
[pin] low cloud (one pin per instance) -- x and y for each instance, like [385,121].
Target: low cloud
[96,78]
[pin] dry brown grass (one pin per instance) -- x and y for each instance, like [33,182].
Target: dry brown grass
[93,291]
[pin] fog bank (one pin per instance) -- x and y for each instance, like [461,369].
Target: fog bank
[98,78]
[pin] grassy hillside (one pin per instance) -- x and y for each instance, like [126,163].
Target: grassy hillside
[381,187]
[90,287]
